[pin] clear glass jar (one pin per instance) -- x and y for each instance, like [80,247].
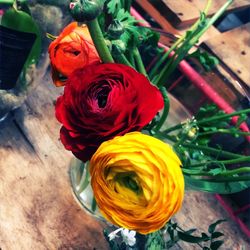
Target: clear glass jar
[79,172]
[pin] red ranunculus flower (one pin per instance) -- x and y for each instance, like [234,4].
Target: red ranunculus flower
[102,101]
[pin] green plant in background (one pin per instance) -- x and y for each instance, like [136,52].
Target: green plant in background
[20,51]
[17,17]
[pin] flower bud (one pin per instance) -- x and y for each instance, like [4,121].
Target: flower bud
[118,47]
[115,29]
[190,131]
[85,10]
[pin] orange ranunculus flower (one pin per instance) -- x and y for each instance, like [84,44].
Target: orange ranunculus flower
[71,50]
[137,182]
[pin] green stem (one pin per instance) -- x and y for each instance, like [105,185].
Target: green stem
[93,205]
[179,142]
[121,58]
[224,131]
[84,180]
[173,128]
[212,20]
[139,62]
[165,110]
[157,66]
[12,1]
[223,116]
[160,135]
[228,179]
[131,58]
[207,120]
[127,5]
[213,151]
[188,44]
[176,44]
[241,170]
[99,41]
[238,160]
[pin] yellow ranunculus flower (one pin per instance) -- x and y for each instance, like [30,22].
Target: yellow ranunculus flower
[137,182]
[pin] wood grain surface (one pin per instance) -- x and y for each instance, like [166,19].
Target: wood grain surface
[37,208]
[233,49]
[184,12]
[163,20]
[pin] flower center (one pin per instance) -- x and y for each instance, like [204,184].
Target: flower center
[102,97]
[128,180]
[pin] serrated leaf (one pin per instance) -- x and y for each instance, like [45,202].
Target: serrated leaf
[208,111]
[207,61]
[114,6]
[212,227]
[216,244]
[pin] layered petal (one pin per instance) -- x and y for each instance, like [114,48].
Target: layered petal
[71,50]
[103,101]
[137,182]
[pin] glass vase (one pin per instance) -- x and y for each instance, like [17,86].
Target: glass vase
[82,190]
[79,171]
[14,98]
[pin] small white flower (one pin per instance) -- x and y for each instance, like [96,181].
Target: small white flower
[113,234]
[128,237]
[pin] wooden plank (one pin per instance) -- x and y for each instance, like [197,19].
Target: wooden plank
[37,208]
[157,16]
[233,49]
[168,27]
[182,13]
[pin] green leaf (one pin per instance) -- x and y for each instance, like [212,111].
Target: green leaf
[189,238]
[205,237]
[190,231]
[207,111]
[114,6]
[212,227]
[216,171]
[216,244]
[21,21]
[213,186]
[216,235]
[241,119]
[155,241]
[170,231]
[207,61]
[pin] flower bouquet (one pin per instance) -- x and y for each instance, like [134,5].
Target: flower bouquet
[113,113]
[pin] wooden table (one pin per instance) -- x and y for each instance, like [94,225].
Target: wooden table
[37,208]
